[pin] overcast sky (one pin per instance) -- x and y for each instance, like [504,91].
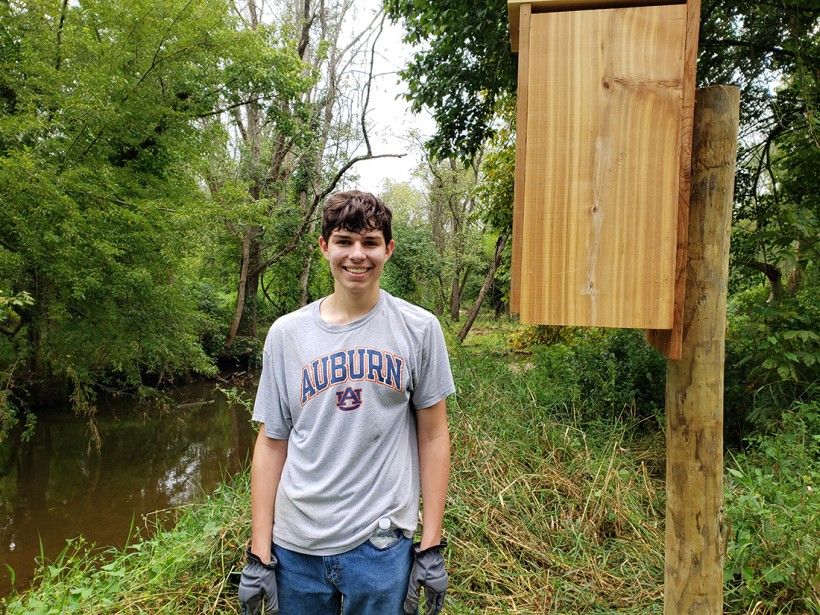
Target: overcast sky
[389,118]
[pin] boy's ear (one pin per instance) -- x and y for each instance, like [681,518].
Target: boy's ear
[390,247]
[323,245]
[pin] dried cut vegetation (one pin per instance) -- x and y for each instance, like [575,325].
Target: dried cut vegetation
[545,516]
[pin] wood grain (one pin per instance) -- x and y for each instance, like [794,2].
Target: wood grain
[693,579]
[598,233]
[543,6]
[669,341]
[520,157]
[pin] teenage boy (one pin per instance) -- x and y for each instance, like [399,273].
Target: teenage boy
[352,405]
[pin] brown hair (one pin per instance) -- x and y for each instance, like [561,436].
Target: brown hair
[357,212]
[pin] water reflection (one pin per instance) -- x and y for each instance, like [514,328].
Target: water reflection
[97,478]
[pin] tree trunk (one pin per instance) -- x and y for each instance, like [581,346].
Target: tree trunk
[693,581]
[304,280]
[455,297]
[250,318]
[242,290]
[41,382]
[488,282]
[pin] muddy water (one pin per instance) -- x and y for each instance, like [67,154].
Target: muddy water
[75,478]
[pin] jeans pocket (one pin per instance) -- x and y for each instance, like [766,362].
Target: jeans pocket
[381,541]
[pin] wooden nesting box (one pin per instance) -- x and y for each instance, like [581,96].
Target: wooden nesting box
[605,102]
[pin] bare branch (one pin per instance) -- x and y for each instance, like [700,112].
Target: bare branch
[368,86]
[237,116]
[772,273]
[300,232]
[228,108]
[304,39]
[239,14]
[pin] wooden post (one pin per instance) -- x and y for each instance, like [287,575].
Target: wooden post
[693,580]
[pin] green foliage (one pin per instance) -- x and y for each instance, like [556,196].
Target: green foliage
[10,308]
[105,124]
[525,338]
[600,374]
[773,53]
[495,191]
[413,269]
[788,340]
[772,503]
[773,352]
[463,67]
[237,397]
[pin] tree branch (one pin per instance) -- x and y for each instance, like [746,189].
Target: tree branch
[59,59]
[297,237]
[772,273]
[228,108]
[311,210]
[777,52]
[488,280]
[369,84]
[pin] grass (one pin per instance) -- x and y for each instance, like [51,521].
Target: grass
[545,516]
[550,510]
[191,568]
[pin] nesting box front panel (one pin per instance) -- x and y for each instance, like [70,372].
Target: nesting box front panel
[601,182]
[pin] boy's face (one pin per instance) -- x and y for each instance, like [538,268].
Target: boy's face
[356,259]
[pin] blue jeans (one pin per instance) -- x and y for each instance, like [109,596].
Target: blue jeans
[363,581]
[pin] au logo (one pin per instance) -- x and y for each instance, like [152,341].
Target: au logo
[349,399]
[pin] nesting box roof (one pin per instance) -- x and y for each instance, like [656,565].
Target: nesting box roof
[546,6]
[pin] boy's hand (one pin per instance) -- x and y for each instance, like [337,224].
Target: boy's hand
[428,570]
[258,581]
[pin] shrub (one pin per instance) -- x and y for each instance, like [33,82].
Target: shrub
[771,506]
[600,373]
[773,353]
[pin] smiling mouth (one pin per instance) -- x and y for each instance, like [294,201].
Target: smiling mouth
[356,269]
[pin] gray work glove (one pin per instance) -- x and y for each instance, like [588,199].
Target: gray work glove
[258,581]
[428,570]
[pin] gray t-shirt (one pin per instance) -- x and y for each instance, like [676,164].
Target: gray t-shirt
[344,397]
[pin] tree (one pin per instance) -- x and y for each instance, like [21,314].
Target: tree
[294,151]
[268,125]
[772,52]
[495,198]
[103,108]
[414,268]
[464,66]
[451,202]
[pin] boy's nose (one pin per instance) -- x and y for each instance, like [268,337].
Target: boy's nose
[356,251]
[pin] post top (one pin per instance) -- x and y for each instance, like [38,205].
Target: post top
[548,6]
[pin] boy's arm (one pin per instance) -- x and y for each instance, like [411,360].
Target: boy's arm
[266,469]
[434,464]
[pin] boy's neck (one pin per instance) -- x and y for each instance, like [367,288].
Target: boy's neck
[341,308]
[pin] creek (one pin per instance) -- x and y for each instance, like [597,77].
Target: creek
[100,478]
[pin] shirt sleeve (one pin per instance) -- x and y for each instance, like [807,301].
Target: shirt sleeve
[435,380]
[271,405]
